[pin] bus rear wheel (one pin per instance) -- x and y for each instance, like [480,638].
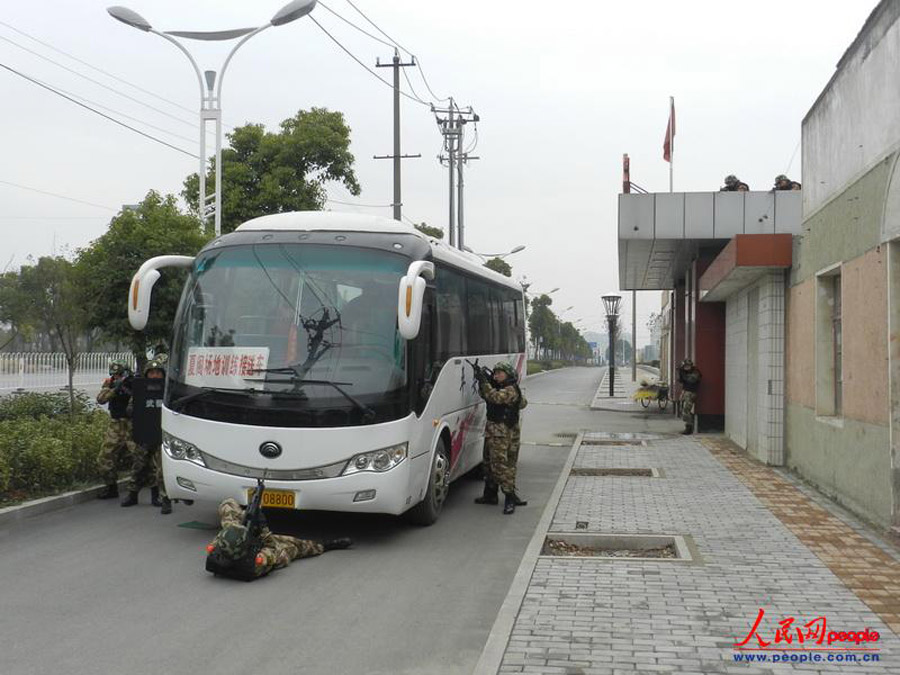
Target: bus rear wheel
[429,509]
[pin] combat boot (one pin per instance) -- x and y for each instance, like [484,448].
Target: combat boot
[688,429]
[109,492]
[509,503]
[154,496]
[166,506]
[131,499]
[333,544]
[489,496]
[517,500]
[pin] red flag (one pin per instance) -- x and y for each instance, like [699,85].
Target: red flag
[669,143]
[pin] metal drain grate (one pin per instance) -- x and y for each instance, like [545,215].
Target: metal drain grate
[565,434]
[585,471]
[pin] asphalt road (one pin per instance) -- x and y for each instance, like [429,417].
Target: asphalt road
[101,589]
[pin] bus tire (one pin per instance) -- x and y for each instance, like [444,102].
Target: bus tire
[427,511]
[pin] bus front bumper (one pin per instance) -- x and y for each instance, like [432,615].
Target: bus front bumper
[364,492]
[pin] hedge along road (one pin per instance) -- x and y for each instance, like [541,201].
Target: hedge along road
[96,588]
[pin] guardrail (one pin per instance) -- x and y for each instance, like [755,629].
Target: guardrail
[48,370]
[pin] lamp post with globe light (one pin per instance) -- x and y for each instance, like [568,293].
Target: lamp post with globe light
[611,303]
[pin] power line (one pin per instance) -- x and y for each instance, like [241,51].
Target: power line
[93,67]
[369,70]
[350,23]
[97,112]
[398,45]
[97,82]
[374,25]
[126,116]
[367,206]
[54,194]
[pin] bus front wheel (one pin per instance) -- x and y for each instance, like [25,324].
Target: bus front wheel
[428,510]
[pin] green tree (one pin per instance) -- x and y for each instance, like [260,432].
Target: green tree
[499,265]
[155,227]
[267,172]
[429,231]
[45,295]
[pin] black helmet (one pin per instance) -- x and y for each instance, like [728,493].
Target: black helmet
[731,179]
[781,177]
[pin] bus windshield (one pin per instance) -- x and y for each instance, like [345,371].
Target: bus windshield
[283,334]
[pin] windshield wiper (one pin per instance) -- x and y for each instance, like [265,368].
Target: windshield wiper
[297,381]
[179,403]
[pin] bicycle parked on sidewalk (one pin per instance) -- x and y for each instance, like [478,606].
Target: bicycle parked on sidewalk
[655,391]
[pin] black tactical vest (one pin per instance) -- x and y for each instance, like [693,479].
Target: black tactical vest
[505,414]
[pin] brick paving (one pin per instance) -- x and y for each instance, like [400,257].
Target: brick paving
[617,617]
[871,573]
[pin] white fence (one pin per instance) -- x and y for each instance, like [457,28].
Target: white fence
[47,370]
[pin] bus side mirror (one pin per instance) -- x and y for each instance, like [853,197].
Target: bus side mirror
[410,297]
[142,286]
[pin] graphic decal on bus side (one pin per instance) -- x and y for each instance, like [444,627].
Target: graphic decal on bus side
[458,437]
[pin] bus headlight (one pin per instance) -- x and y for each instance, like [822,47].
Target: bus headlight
[179,449]
[381,460]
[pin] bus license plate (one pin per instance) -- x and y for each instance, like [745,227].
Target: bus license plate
[274,499]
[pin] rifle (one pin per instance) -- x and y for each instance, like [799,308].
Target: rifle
[482,373]
[254,518]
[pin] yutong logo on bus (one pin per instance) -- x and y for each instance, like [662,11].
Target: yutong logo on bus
[270,449]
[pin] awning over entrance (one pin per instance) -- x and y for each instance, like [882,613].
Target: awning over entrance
[660,233]
[743,261]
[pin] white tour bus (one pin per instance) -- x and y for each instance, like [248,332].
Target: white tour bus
[327,353]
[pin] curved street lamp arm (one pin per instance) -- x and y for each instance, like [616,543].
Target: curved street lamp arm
[256,31]
[189,57]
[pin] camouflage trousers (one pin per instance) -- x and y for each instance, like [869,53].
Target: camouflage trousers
[158,471]
[501,454]
[117,444]
[278,549]
[688,403]
[143,468]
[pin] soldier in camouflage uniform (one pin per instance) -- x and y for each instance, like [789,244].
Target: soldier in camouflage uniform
[144,469]
[278,550]
[502,432]
[689,376]
[115,393]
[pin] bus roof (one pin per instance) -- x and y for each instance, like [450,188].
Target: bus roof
[359,222]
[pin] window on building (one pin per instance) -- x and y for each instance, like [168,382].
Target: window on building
[836,341]
[829,344]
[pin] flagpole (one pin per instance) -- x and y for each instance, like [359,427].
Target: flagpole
[671,140]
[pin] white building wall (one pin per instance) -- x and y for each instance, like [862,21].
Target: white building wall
[770,368]
[853,125]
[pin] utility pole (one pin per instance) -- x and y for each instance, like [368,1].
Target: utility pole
[397,157]
[461,160]
[451,127]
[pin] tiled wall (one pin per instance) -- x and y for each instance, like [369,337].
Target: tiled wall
[770,368]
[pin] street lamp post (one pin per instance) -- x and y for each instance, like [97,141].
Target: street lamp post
[493,255]
[210,90]
[611,307]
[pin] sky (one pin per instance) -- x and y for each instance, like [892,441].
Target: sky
[562,90]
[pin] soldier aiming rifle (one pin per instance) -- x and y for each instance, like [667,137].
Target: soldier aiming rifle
[500,390]
[116,393]
[246,549]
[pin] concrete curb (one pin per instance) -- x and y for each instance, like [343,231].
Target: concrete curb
[495,647]
[35,507]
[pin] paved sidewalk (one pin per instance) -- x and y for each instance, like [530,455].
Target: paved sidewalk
[762,544]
